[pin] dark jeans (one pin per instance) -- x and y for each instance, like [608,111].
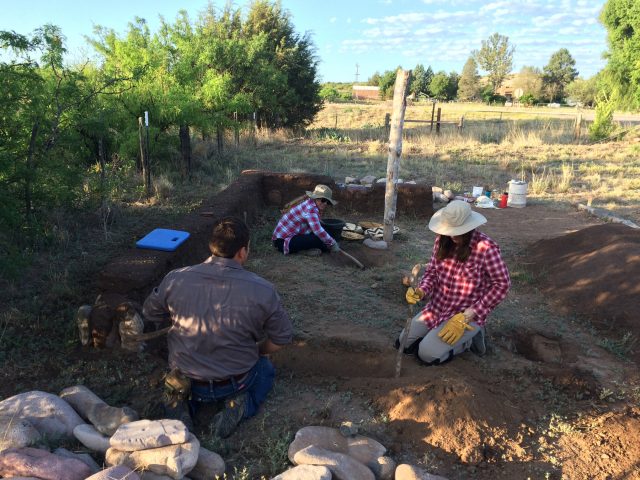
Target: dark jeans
[301,242]
[256,385]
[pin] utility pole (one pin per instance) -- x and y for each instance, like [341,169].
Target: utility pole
[357,74]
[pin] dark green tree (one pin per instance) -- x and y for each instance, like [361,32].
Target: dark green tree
[496,58]
[558,73]
[469,84]
[419,81]
[439,85]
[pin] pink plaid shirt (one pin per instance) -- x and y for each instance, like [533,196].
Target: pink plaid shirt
[481,282]
[302,219]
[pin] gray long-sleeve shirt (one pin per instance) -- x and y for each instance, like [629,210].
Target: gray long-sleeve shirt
[219,311]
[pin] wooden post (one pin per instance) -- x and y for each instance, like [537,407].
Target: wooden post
[387,124]
[433,110]
[255,128]
[236,129]
[336,126]
[144,154]
[578,126]
[438,121]
[461,123]
[395,150]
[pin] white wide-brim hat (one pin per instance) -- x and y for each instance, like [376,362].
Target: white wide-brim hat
[456,218]
[322,191]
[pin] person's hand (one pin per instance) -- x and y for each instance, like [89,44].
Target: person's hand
[469,314]
[454,329]
[413,295]
[335,248]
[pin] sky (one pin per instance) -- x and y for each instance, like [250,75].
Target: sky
[356,38]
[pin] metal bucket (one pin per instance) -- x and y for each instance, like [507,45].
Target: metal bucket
[517,194]
[333,227]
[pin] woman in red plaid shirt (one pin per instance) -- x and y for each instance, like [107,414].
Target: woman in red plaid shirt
[299,230]
[464,281]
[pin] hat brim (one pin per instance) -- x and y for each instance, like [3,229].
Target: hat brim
[314,196]
[437,225]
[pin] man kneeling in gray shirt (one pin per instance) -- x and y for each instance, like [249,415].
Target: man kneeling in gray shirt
[225,322]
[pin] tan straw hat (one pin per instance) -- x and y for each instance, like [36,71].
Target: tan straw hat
[322,191]
[456,218]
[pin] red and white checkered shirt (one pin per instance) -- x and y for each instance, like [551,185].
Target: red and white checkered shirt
[481,282]
[302,219]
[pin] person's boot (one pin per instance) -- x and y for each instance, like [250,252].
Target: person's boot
[177,410]
[478,343]
[226,420]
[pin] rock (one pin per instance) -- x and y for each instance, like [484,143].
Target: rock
[83,457]
[148,475]
[92,439]
[48,413]
[384,469]
[351,180]
[32,462]
[411,182]
[17,432]
[119,472]
[209,465]
[367,180]
[174,461]
[440,197]
[409,472]
[105,418]
[145,434]
[381,180]
[449,194]
[305,472]
[343,467]
[364,449]
[376,244]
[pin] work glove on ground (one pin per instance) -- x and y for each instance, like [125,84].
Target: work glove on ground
[335,248]
[413,295]
[454,329]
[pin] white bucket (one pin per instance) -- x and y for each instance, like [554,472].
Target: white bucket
[517,194]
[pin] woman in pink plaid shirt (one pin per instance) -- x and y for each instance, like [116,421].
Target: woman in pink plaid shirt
[464,281]
[299,230]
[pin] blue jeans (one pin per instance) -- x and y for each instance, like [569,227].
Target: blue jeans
[257,384]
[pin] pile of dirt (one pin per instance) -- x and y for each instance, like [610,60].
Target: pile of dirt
[593,272]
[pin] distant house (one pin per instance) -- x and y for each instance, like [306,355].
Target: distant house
[362,92]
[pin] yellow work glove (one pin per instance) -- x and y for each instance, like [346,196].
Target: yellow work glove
[413,295]
[454,329]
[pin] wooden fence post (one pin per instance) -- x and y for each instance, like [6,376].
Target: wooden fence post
[395,150]
[144,157]
[578,126]
[387,124]
[433,110]
[236,129]
[438,121]
[461,123]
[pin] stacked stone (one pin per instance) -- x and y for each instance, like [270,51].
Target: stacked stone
[28,418]
[324,453]
[157,450]
[162,449]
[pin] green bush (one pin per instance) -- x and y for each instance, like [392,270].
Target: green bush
[602,126]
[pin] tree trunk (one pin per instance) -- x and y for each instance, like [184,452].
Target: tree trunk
[220,139]
[395,150]
[185,149]
[30,174]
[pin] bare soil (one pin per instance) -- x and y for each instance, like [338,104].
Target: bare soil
[547,401]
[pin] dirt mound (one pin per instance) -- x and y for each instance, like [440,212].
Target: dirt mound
[593,272]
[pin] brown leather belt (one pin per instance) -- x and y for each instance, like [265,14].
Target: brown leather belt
[219,383]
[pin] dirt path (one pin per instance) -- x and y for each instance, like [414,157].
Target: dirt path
[545,402]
